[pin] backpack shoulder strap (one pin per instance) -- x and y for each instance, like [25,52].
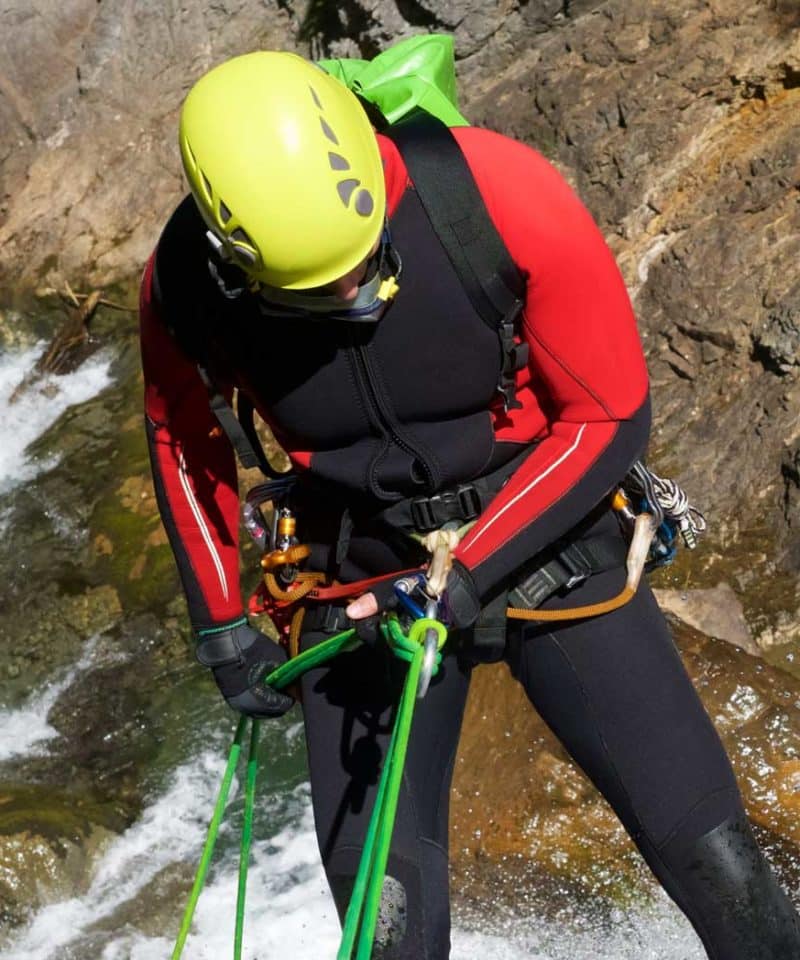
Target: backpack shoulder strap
[456,211]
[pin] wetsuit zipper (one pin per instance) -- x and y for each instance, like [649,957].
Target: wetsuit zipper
[384,415]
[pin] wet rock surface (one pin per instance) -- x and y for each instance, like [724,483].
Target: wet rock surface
[47,844]
[524,817]
[716,611]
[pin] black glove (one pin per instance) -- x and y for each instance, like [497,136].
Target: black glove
[240,657]
[461,604]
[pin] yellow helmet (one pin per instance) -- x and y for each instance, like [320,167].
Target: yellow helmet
[285,169]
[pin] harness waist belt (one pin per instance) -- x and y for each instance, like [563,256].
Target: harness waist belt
[568,566]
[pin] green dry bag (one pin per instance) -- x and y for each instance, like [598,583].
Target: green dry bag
[417,72]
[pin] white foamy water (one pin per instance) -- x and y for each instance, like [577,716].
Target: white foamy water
[288,900]
[39,406]
[25,730]
[288,905]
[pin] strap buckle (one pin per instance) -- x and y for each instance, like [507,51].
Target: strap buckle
[329,618]
[514,355]
[430,513]
[577,563]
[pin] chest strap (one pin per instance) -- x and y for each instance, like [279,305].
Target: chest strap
[462,503]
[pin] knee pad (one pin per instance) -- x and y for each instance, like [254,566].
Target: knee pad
[414,914]
[392,925]
[728,891]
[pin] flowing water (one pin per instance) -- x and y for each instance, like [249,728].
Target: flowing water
[39,406]
[132,901]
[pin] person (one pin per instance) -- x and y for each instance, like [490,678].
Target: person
[302,271]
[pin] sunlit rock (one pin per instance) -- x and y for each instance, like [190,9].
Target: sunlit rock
[521,807]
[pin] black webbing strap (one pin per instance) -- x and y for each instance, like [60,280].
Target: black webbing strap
[244,413]
[569,566]
[456,211]
[240,430]
[462,503]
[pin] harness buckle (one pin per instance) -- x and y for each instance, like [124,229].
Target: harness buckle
[577,563]
[430,513]
[469,500]
[514,357]
[422,514]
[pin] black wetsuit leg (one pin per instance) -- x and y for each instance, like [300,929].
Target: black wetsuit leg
[349,710]
[616,693]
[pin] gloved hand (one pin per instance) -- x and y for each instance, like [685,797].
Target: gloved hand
[240,657]
[460,604]
[368,609]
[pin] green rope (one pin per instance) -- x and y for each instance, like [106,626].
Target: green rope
[293,669]
[394,765]
[280,678]
[211,838]
[247,837]
[366,865]
[362,913]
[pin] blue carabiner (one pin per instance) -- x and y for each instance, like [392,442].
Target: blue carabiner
[403,590]
[413,608]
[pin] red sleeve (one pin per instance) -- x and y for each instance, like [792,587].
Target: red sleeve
[586,363]
[194,472]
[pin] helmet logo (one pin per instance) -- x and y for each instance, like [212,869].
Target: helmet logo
[364,203]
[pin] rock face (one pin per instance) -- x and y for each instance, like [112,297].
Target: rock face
[543,825]
[89,94]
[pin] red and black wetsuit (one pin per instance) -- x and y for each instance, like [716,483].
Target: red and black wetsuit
[409,406]
[376,413]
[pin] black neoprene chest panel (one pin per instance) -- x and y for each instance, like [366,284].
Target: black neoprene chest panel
[394,408]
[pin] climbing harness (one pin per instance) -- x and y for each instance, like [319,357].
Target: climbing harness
[416,636]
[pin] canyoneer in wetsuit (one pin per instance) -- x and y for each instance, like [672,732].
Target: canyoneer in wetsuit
[303,272]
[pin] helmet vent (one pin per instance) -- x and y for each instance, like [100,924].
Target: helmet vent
[346,188]
[316,98]
[338,162]
[206,186]
[364,203]
[189,155]
[328,132]
[224,212]
[241,237]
